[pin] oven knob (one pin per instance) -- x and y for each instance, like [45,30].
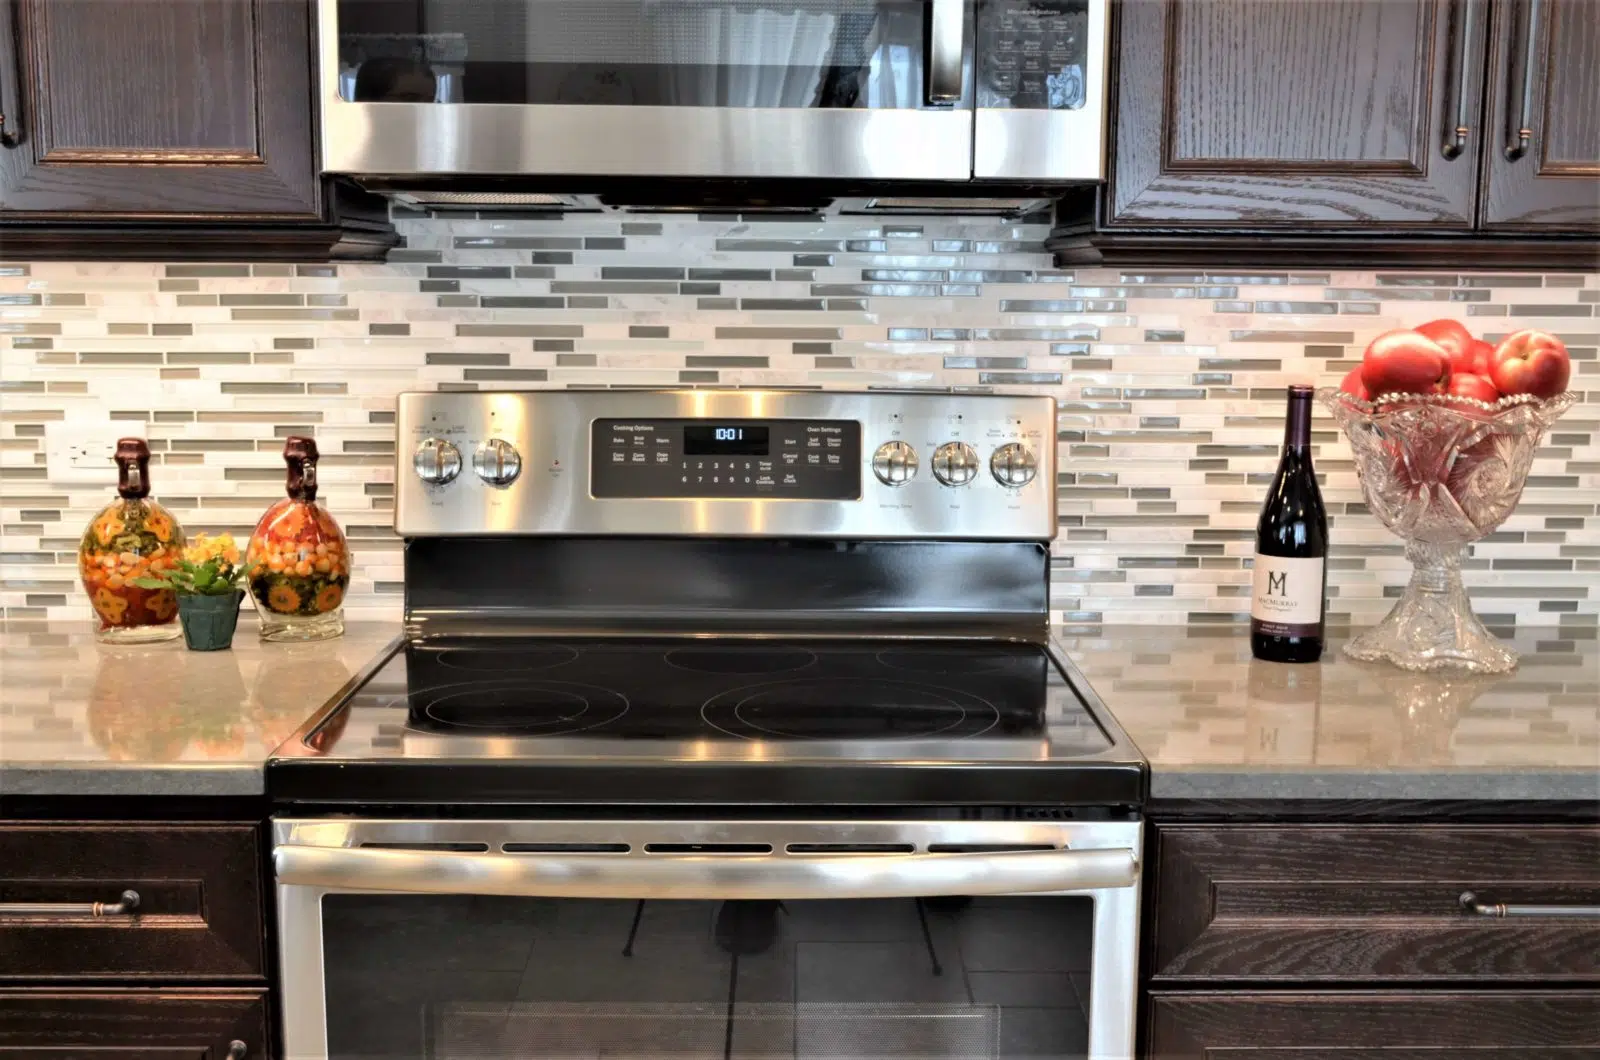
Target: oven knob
[895,463]
[1013,465]
[437,461]
[497,462]
[955,463]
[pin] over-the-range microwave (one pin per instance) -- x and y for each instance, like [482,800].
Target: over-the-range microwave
[964,95]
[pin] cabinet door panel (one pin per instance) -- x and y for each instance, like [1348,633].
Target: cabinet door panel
[1554,1025]
[190,108]
[133,1025]
[199,913]
[1279,113]
[1373,903]
[1554,182]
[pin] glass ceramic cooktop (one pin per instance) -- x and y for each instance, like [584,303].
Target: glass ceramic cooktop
[726,698]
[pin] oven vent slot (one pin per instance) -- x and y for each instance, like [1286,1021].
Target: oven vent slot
[566,848]
[708,848]
[446,848]
[850,848]
[988,848]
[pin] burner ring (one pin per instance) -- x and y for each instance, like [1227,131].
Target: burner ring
[754,660]
[507,660]
[729,711]
[540,708]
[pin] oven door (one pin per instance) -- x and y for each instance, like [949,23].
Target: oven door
[936,940]
[850,89]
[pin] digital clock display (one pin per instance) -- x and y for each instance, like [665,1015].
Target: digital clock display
[725,439]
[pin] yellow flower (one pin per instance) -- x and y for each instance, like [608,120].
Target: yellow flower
[110,606]
[161,604]
[283,599]
[159,523]
[107,527]
[329,598]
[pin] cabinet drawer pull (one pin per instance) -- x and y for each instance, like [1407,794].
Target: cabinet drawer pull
[124,907]
[1463,15]
[1470,903]
[237,1050]
[1520,131]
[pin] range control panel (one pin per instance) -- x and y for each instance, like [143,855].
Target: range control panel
[799,459]
[733,463]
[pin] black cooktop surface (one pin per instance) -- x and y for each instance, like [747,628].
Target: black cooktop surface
[728,719]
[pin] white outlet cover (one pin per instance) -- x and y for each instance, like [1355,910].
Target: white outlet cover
[80,455]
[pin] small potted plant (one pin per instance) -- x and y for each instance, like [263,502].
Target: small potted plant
[209,582]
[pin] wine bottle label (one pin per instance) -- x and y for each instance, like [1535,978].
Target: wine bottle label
[1286,599]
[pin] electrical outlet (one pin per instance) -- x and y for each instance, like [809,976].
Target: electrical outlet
[77,455]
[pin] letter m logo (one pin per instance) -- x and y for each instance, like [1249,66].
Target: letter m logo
[1278,584]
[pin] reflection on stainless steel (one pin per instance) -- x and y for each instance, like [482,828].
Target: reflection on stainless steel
[730,877]
[551,431]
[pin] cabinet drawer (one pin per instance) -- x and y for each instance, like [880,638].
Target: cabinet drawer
[1486,1025]
[198,914]
[134,1024]
[1373,903]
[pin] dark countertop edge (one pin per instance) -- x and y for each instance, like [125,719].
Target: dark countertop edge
[154,778]
[1218,784]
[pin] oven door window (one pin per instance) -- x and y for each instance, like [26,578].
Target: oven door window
[486,977]
[644,53]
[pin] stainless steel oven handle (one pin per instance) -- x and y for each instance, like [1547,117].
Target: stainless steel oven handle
[704,876]
[947,30]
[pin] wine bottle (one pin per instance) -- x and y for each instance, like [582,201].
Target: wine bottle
[1290,579]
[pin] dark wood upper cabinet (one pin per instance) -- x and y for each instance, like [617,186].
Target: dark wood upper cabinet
[1547,83]
[177,109]
[1282,113]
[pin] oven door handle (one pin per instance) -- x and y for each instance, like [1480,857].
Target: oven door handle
[713,877]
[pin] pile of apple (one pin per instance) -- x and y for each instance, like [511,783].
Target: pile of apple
[1441,357]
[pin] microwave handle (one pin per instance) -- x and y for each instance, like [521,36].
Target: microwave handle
[947,29]
[706,877]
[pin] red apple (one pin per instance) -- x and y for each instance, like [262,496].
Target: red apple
[1352,385]
[1468,385]
[1454,339]
[1476,361]
[1404,362]
[1530,362]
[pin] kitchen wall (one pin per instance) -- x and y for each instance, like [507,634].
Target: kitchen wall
[1169,383]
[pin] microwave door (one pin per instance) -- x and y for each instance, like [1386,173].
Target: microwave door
[1040,93]
[834,89]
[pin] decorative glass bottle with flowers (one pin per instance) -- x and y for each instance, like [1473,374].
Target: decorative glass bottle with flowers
[299,562]
[131,538]
[209,582]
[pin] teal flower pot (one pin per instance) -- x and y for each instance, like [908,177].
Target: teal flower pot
[209,621]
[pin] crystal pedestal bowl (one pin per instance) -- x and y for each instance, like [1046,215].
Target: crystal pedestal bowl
[1440,472]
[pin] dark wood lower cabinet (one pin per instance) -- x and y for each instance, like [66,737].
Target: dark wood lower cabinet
[134,1025]
[1531,1025]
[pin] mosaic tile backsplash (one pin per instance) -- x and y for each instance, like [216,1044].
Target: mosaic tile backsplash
[1169,384]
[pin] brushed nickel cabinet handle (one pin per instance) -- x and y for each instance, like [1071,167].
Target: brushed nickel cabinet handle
[1520,130]
[1470,903]
[10,77]
[128,903]
[237,1050]
[1463,14]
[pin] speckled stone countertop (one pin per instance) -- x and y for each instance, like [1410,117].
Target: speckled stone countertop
[1216,724]
[82,718]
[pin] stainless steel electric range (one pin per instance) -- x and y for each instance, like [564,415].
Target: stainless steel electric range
[725,724]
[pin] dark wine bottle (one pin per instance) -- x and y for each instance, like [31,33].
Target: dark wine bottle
[1290,583]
